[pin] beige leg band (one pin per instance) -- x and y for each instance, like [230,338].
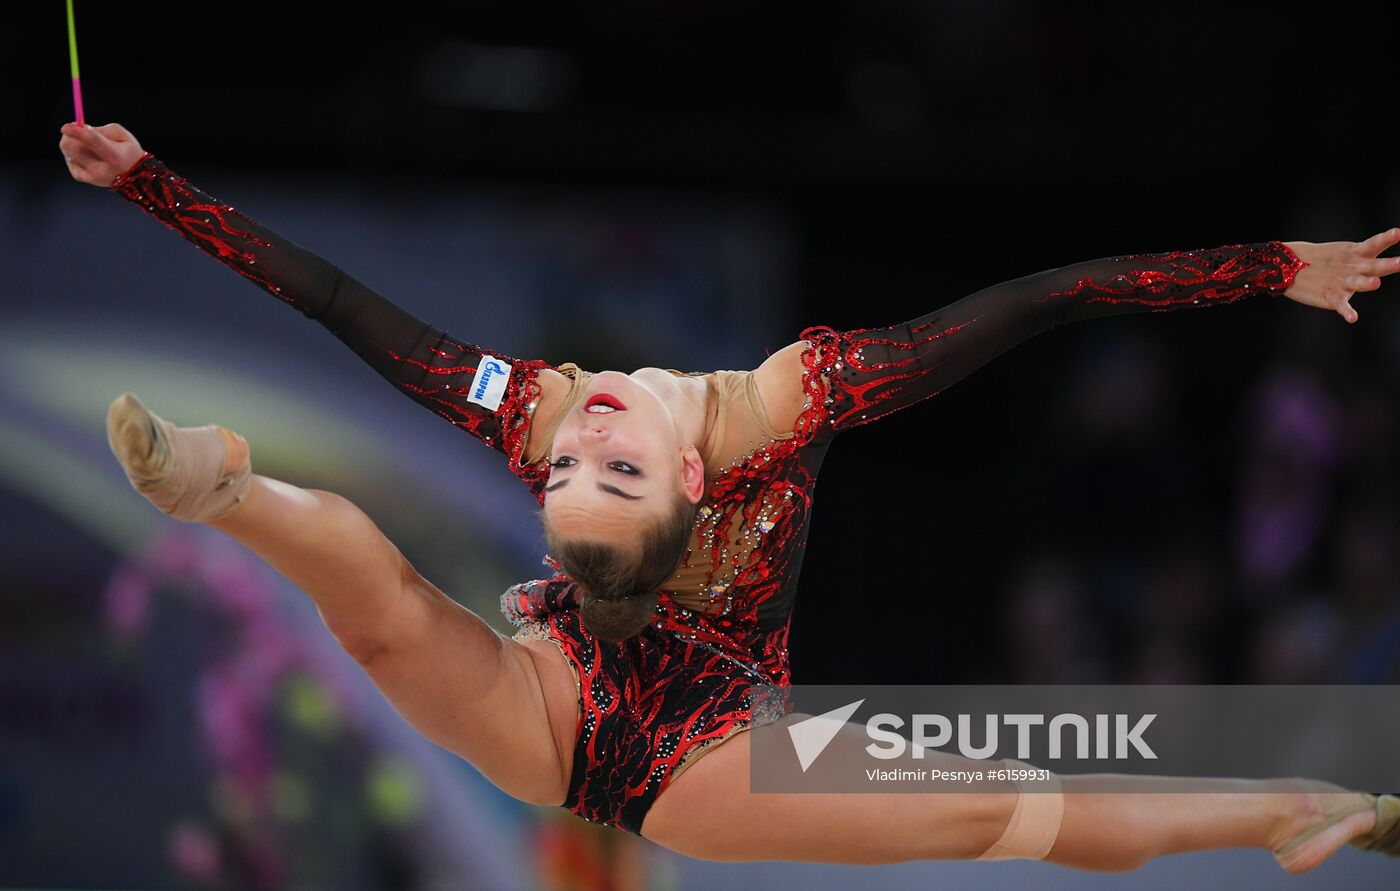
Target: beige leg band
[1035,823]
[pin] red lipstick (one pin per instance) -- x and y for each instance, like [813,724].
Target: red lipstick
[607,399]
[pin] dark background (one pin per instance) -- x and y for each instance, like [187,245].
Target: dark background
[918,152]
[1201,496]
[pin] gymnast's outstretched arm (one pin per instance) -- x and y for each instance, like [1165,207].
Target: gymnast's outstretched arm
[488,394]
[876,371]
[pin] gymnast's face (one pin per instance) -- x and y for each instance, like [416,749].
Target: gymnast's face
[619,458]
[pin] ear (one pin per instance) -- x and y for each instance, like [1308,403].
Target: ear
[692,474]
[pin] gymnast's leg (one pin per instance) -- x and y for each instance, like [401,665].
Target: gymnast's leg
[709,812]
[452,677]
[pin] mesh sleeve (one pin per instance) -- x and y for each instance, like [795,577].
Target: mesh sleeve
[872,372]
[487,394]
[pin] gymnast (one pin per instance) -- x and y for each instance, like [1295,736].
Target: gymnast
[676,508]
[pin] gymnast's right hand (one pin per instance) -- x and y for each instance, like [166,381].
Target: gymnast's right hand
[98,155]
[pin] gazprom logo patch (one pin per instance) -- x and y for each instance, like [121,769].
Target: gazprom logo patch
[488,388]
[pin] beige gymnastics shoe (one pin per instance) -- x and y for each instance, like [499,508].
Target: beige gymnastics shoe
[1318,842]
[1386,836]
[197,474]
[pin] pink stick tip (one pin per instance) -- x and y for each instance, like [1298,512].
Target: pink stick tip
[78,101]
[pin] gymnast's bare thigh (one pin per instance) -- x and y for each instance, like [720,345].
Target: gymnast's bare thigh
[709,791]
[560,691]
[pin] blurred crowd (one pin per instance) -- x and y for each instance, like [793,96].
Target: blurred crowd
[1210,499]
[1268,549]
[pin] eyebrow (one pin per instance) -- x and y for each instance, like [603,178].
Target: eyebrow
[611,490]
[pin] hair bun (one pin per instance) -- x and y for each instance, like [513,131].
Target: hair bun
[618,581]
[615,620]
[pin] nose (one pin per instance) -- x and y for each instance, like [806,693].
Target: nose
[594,431]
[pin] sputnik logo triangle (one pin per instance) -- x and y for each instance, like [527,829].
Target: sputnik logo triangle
[812,736]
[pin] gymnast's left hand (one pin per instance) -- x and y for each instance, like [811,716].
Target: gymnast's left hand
[1339,269]
[98,155]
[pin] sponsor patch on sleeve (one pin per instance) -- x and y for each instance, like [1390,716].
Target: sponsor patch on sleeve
[488,388]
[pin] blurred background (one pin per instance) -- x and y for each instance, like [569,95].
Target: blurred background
[1196,497]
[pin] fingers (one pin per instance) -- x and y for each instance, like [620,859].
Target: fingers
[98,155]
[1362,283]
[114,132]
[1381,266]
[1344,308]
[76,154]
[78,159]
[72,148]
[1376,244]
[80,172]
[95,142]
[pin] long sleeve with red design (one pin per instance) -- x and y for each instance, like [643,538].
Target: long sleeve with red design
[881,370]
[433,368]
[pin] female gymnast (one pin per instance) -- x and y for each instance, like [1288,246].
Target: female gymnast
[676,508]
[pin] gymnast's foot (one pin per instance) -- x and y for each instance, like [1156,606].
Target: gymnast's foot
[198,474]
[1368,822]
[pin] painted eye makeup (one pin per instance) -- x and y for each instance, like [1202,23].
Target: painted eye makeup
[619,466]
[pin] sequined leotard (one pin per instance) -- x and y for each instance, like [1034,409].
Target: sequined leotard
[704,669]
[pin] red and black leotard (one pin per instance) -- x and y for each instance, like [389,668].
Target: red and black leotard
[696,676]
